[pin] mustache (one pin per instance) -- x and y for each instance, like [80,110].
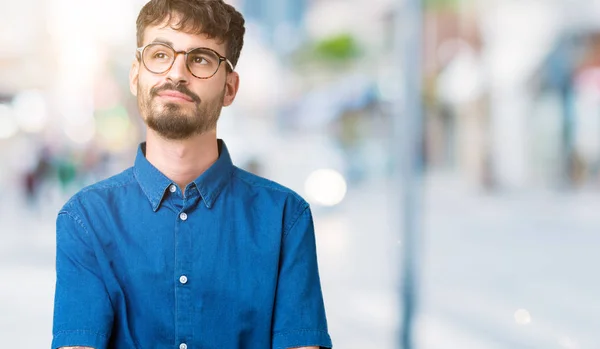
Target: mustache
[172,87]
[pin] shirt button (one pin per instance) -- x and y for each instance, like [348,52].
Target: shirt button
[172,188]
[183,279]
[182,346]
[183,216]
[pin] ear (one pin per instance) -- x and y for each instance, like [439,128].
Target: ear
[232,84]
[134,76]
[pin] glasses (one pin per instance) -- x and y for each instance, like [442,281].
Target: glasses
[202,62]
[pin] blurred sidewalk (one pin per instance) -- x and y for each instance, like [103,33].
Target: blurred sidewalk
[483,258]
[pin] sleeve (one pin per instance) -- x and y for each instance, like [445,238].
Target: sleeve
[299,314]
[83,314]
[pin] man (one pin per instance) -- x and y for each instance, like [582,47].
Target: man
[185,250]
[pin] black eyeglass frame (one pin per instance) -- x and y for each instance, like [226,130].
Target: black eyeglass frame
[185,53]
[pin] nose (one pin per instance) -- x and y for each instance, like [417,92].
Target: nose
[178,74]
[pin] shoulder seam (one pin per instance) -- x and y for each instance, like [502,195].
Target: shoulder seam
[292,224]
[75,218]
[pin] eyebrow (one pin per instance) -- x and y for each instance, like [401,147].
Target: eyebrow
[162,41]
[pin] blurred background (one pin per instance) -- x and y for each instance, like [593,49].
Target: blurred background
[500,229]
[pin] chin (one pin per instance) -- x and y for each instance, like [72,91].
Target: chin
[172,110]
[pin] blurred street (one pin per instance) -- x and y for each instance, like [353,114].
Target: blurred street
[496,102]
[485,258]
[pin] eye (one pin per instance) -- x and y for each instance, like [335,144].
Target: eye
[200,60]
[160,55]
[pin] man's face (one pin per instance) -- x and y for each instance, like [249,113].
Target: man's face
[176,104]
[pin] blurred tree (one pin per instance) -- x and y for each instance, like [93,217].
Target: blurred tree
[335,54]
[341,47]
[441,4]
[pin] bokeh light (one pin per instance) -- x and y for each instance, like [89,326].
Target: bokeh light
[114,127]
[8,124]
[80,132]
[325,187]
[31,111]
[522,317]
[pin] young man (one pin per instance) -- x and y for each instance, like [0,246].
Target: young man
[185,250]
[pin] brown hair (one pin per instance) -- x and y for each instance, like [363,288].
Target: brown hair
[214,18]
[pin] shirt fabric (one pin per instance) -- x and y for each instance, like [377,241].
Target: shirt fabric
[229,265]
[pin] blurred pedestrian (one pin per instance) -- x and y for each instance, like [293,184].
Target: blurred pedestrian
[33,179]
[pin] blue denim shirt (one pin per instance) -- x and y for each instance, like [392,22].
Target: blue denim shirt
[229,265]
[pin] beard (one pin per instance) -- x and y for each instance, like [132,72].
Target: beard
[176,121]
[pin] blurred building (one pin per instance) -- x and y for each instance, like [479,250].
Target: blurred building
[281,22]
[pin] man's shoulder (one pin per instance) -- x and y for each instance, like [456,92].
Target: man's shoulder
[262,184]
[100,191]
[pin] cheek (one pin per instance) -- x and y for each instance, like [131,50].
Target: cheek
[212,90]
[148,80]
[144,87]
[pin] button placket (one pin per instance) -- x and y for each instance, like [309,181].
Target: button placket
[183,291]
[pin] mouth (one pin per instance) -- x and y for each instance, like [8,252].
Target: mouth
[175,96]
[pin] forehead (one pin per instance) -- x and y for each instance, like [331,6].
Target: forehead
[179,39]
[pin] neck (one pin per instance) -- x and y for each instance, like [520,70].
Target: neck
[182,161]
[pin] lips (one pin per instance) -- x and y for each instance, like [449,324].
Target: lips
[175,95]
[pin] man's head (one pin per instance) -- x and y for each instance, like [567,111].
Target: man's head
[181,95]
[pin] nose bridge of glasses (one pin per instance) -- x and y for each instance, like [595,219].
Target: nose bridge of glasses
[181,66]
[179,53]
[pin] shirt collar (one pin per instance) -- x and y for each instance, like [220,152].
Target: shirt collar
[155,184]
